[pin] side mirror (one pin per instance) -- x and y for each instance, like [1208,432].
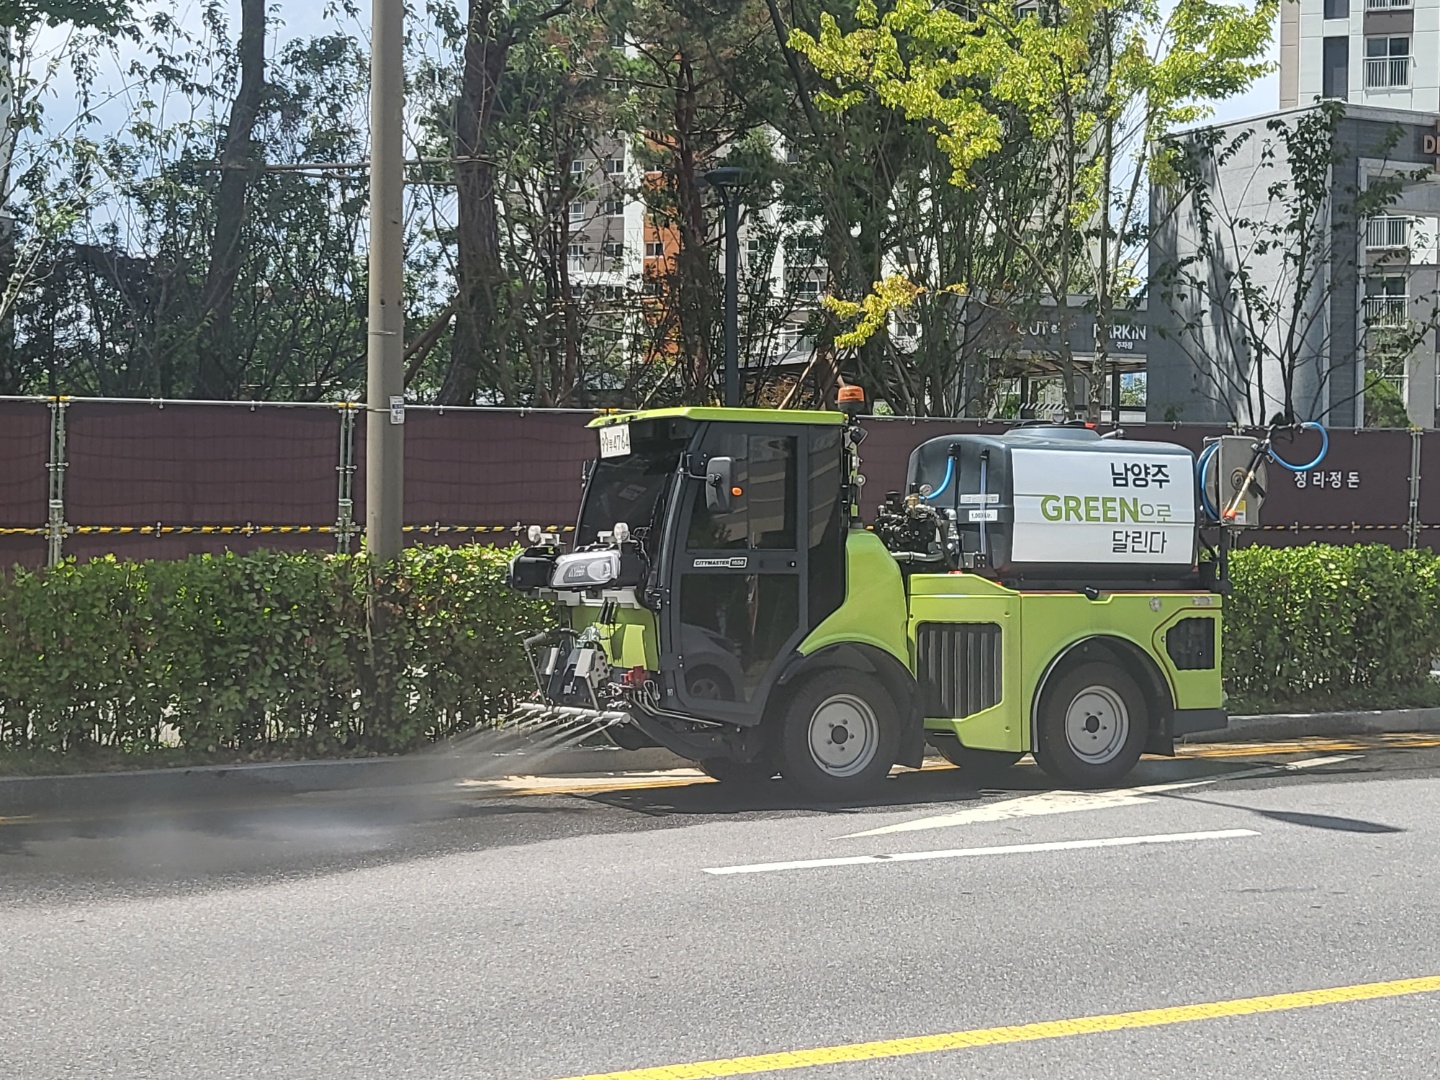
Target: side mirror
[719,478]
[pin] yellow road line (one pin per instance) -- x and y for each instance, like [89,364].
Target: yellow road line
[998,1036]
[1298,746]
[594,788]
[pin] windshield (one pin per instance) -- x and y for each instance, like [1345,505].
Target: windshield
[631,488]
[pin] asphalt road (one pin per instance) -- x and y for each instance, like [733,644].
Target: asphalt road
[1249,911]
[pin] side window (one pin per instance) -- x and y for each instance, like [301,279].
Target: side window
[827,532]
[715,531]
[762,516]
[771,492]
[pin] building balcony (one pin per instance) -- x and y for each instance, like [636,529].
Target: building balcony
[1391,73]
[1389,5]
[1386,310]
[1387,233]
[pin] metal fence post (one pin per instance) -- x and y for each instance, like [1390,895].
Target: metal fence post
[345,516]
[55,527]
[1414,524]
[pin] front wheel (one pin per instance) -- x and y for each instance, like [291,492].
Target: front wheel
[840,734]
[1091,725]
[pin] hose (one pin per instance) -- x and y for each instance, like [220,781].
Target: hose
[949,473]
[1200,463]
[1203,461]
[1324,448]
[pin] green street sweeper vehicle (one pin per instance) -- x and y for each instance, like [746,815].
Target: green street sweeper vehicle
[1038,591]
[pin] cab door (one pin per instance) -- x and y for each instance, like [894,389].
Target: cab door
[740,595]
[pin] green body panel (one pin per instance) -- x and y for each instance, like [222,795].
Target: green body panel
[873,611]
[714,413]
[633,640]
[1037,627]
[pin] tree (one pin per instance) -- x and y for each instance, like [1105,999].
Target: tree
[1258,292]
[1092,82]
[126,297]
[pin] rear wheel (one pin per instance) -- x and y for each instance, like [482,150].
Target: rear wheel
[839,734]
[1091,725]
[980,764]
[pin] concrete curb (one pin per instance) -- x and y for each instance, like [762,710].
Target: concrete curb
[1303,725]
[21,795]
[49,794]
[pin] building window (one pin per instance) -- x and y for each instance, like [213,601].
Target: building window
[1387,233]
[807,289]
[618,39]
[1340,9]
[614,205]
[1387,63]
[577,211]
[1377,5]
[1335,68]
[577,168]
[654,249]
[614,166]
[1386,300]
[804,250]
[613,249]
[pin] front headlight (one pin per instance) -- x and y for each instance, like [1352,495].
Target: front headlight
[586,570]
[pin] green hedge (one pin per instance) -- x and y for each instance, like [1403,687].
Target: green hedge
[276,651]
[258,652]
[1318,620]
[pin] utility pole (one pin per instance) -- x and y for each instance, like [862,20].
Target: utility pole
[385,381]
[722,180]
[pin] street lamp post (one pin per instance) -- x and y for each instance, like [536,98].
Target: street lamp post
[385,353]
[724,180]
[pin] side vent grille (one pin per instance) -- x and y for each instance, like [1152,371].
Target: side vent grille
[958,666]
[1191,644]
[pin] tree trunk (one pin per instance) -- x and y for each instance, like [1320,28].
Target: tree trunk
[695,289]
[220,371]
[476,344]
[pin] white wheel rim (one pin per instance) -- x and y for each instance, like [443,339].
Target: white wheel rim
[1097,724]
[844,735]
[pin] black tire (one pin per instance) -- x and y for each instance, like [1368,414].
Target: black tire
[734,773]
[979,764]
[709,684]
[856,735]
[1091,725]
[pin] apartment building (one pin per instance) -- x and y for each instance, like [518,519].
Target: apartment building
[1382,274]
[1383,53]
[619,257]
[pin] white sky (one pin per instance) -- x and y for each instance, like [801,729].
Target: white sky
[305,18]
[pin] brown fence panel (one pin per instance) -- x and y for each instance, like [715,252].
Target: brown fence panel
[1430,491]
[268,477]
[469,469]
[24,481]
[188,466]
[1360,493]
